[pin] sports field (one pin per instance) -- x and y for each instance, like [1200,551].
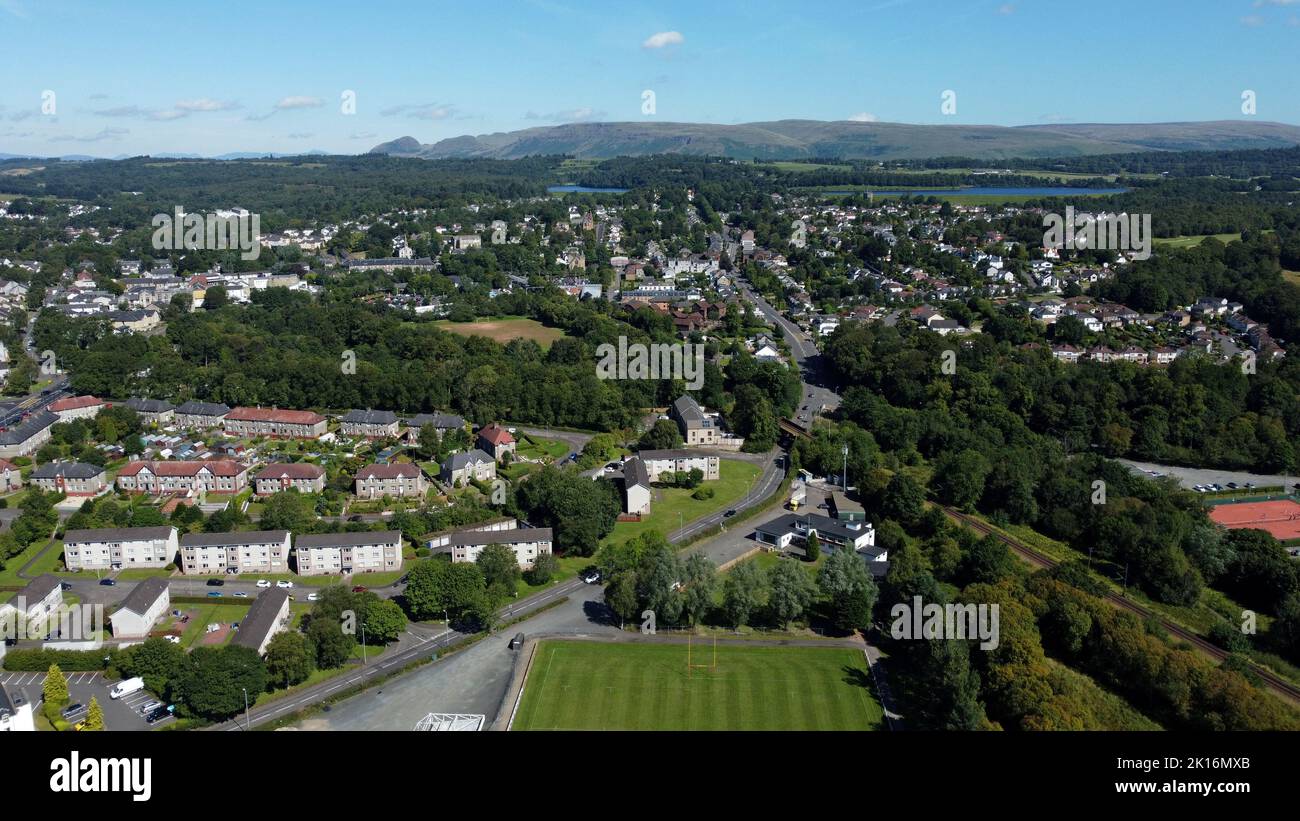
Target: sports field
[585,685]
[504,330]
[1280,517]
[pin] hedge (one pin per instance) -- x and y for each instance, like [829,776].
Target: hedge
[69,661]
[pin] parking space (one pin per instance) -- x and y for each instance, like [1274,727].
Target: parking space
[122,714]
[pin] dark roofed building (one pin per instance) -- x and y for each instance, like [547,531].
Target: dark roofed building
[157,411]
[141,609]
[268,615]
[372,424]
[71,478]
[201,414]
[27,436]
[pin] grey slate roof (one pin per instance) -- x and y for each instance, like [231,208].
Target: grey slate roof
[144,595]
[457,461]
[261,618]
[237,537]
[369,417]
[511,536]
[149,405]
[68,470]
[193,408]
[634,473]
[28,428]
[351,539]
[441,421]
[117,534]
[38,588]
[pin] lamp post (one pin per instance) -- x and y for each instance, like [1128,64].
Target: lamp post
[363,644]
[844,479]
[247,726]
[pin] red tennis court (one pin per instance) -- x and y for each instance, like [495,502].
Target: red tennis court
[1280,517]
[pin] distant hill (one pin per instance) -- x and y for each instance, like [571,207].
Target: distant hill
[802,139]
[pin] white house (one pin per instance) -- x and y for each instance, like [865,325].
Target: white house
[114,548]
[142,609]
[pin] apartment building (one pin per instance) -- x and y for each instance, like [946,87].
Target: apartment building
[660,465]
[528,543]
[400,479]
[299,476]
[207,476]
[77,407]
[114,548]
[70,478]
[153,411]
[371,424]
[255,551]
[345,553]
[27,436]
[275,423]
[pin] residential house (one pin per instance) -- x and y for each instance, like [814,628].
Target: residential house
[201,415]
[442,422]
[27,436]
[153,411]
[76,407]
[15,713]
[461,468]
[113,548]
[397,480]
[348,553]
[496,441]
[634,486]
[11,476]
[31,610]
[268,615]
[371,424]
[275,423]
[299,476]
[527,543]
[254,551]
[141,609]
[70,478]
[696,428]
[207,476]
[783,530]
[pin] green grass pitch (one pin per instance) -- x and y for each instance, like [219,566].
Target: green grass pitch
[577,685]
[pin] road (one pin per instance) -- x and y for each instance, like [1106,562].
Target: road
[806,357]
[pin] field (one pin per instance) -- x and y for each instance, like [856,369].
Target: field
[673,507]
[504,330]
[576,685]
[1193,241]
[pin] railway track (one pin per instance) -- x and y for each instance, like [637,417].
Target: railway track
[1276,683]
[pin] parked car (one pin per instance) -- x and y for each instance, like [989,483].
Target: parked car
[729,513]
[108,582]
[215,582]
[263,583]
[73,710]
[284,583]
[591,578]
[517,641]
[1232,485]
[241,595]
[126,687]
[157,714]
[149,707]
[358,589]
[212,594]
[313,596]
[174,639]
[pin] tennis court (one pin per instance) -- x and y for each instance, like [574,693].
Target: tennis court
[1280,517]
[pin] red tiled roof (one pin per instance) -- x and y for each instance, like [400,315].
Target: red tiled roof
[74,402]
[290,417]
[496,434]
[217,467]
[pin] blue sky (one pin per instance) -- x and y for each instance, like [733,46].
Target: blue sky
[138,76]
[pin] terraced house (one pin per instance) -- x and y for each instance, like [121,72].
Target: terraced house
[201,415]
[70,478]
[153,411]
[371,424]
[208,476]
[11,476]
[77,407]
[256,551]
[337,553]
[27,436]
[114,548]
[397,480]
[299,476]
[275,423]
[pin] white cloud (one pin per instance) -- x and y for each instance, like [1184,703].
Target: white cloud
[423,111]
[575,115]
[298,102]
[106,134]
[664,38]
[1007,8]
[863,117]
[205,104]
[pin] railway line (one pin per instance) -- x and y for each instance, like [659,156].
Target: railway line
[1276,683]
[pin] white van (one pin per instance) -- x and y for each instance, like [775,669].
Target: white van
[125,688]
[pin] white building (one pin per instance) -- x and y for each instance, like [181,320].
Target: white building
[142,609]
[115,548]
[347,553]
[257,551]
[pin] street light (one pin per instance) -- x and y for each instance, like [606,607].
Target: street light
[844,480]
[363,644]
[247,726]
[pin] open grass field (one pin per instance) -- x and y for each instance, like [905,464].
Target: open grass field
[1193,241]
[673,507]
[575,685]
[504,330]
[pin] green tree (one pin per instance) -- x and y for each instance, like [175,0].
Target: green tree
[742,593]
[500,567]
[289,659]
[812,548]
[543,570]
[620,595]
[94,715]
[385,622]
[214,686]
[55,688]
[791,591]
[699,583]
[848,586]
[663,435]
[903,499]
